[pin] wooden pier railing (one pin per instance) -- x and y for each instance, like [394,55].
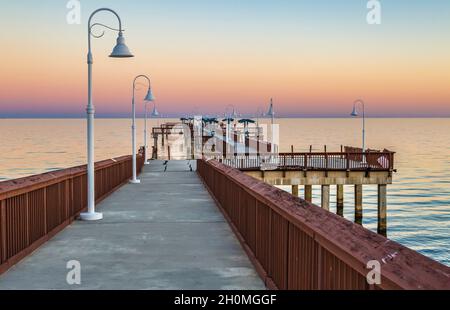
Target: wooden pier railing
[34,209]
[296,245]
[376,161]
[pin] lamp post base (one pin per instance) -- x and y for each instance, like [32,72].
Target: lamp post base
[91,216]
[135,181]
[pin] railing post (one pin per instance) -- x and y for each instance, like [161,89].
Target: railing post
[391,161]
[224,144]
[45,208]
[27,218]
[3,230]
[67,199]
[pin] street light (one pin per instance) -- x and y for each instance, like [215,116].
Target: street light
[356,114]
[259,114]
[271,113]
[155,112]
[119,51]
[148,98]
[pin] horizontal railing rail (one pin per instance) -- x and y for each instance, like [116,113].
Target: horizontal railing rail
[35,208]
[376,161]
[298,246]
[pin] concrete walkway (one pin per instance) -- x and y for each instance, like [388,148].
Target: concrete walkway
[165,233]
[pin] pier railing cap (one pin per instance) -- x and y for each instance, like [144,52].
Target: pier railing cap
[11,188]
[402,268]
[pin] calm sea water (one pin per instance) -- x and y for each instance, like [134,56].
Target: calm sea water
[418,202]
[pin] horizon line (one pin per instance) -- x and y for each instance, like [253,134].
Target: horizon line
[243,116]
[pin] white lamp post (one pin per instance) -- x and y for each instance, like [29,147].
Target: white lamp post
[356,114]
[148,98]
[271,113]
[119,51]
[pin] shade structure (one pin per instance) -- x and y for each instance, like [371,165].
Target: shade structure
[121,50]
[229,119]
[247,121]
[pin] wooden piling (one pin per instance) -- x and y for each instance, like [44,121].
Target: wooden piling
[382,209]
[155,146]
[340,200]
[308,193]
[326,197]
[358,204]
[295,191]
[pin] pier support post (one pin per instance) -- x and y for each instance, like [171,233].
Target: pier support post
[155,145]
[308,193]
[162,140]
[340,200]
[326,197]
[358,204]
[192,144]
[295,191]
[382,209]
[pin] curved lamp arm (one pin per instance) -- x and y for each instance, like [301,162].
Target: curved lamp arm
[362,103]
[103,33]
[142,76]
[120,30]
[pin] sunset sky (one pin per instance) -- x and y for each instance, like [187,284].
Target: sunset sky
[313,57]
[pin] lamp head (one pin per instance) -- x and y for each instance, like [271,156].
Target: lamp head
[149,96]
[355,111]
[155,112]
[121,50]
[271,111]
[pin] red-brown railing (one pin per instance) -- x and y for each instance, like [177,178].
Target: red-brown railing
[34,209]
[296,245]
[379,161]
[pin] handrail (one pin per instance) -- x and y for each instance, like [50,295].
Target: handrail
[337,161]
[35,208]
[297,245]
[11,188]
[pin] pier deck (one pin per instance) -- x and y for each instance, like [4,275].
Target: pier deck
[165,233]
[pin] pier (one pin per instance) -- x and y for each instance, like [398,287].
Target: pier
[245,148]
[347,168]
[191,224]
[152,237]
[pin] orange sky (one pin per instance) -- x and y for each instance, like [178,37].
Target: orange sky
[204,62]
